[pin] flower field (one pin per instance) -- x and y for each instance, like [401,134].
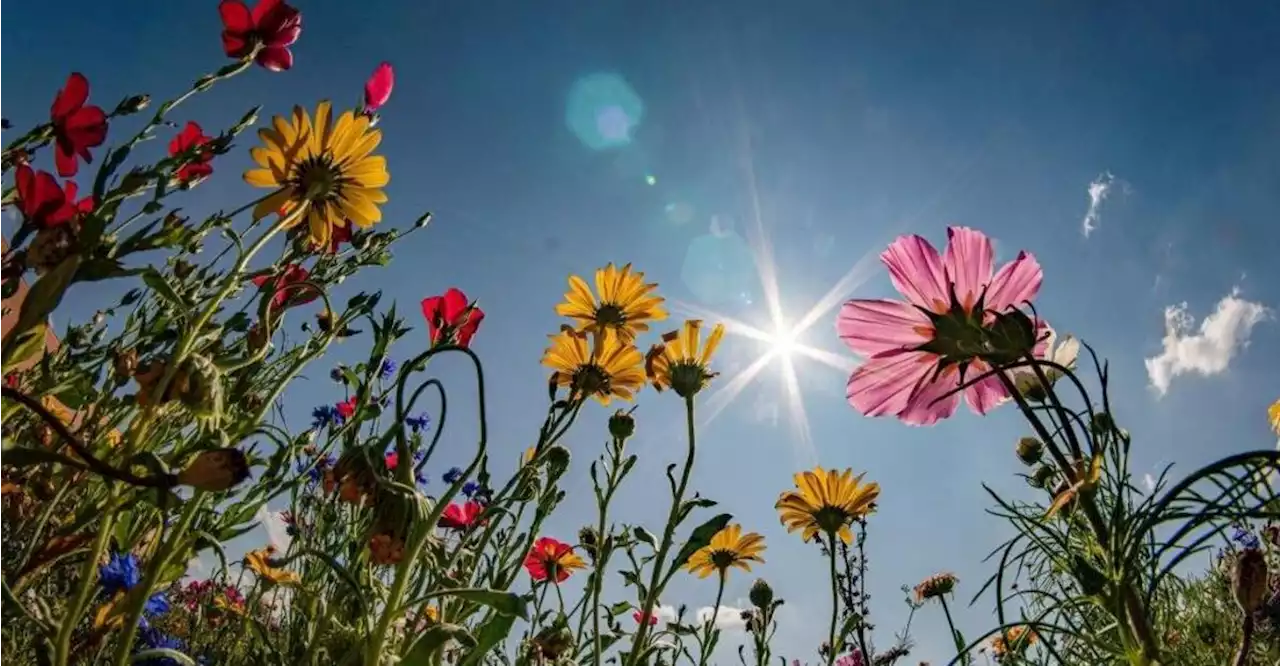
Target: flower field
[151,435]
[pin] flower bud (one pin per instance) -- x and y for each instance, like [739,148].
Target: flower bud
[761,594]
[215,470]
[1030,450]
[1042,477]
[589,539]
[423,221]
[183,269]
[124,363]
[132,104]
[557,460]
[1249,579]
[622,425]
[1102,424]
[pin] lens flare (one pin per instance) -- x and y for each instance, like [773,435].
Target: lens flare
[603,111]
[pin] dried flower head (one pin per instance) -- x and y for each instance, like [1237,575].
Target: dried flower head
[936,586]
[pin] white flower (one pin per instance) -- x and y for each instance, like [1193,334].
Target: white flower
[1064,353]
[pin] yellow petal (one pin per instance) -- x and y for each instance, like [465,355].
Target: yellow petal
[261,178]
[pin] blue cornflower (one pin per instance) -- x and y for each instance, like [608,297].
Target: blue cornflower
[120,573]
[451,477]
[469,488]
[418,423]
[1246,538]
[483,495]
[321,465]
[158,604]
[153,639]
[337,375]
[325,415]
[388,368]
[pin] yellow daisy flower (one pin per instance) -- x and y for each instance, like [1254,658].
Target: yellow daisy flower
[626,304]
[324,170]
[607,367]
[257,562]
[826,501]
[680,362]
[1273,413]
[728,548]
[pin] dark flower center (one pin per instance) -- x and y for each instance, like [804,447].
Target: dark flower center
[723,559]
[609,314]
[831,518]
[318,178]
[591,379]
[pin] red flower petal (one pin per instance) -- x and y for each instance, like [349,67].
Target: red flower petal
[64,157]
[468,330]
[455,304]
[71,97]
[377,90]
[275,58]
[431,312]
[263,10]
[235,45]
[236,17]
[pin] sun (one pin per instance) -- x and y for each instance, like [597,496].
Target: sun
[783,342]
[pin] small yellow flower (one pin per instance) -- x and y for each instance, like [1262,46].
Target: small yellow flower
[728,548]
[826,501]
[257,562]
[1014,641]
[57,409]
[324,170]
[681,362]
[1274,414]
[1087,476]
[431,613]
[600,364]
[626,304]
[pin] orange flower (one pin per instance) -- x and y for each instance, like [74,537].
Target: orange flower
[1014,641]
[551,559]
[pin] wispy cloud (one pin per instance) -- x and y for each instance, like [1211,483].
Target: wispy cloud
[1208,349]
[1099,190]
[277,531]
[666,613]
[1149,481]
[728,619]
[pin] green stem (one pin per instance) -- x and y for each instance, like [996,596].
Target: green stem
[711,622]
[955,636]
[88,579]
[835,598]
[155,567]
[637,642]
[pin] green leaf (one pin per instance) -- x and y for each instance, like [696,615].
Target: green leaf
[619,608]
[491,633]
[24,457]
[160,285]
[505,603]
[102,268]
[146,656]
[42,298]
[645,536]
[430,640]
[700,538]
[24,346]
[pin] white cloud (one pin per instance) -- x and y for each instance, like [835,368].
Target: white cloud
[277,531]
[666,613]
[1208,351]
[1099,190]
[728,619]
[1149,481]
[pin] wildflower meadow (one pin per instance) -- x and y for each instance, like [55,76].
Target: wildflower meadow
[152,434]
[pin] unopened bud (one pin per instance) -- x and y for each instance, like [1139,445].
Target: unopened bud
[622,424]
[132,104]
[423,221]
[761,594]
[182,269]
[125,363]
[1030,450]
[1042,477]
[1249,579]
[1102,424]
[557,460]
[216,469]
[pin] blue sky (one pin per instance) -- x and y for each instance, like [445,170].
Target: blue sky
[838,126]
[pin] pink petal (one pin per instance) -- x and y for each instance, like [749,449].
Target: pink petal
[1015,282]
[916,272]
[927,405]
[986,394]
[885,383]
[377,90]
[969,262]
[872,327]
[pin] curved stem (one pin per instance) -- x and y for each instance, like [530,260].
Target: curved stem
[637,642]
[87,577]
[835,599]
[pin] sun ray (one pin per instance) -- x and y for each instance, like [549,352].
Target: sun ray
[799,419]
[721,398]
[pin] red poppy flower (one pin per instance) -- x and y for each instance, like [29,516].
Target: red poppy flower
[284,295]
[552,559]
[460,516]
[347,408]
[451,318]
[271,28]
[377,90]
[392,459]
[639,617]
[76,127]
[190,139]
[45,204]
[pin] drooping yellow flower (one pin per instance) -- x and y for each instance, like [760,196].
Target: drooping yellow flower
[599,364]
[324,170]
[728,548]
[1273,413]
[826,501]
[257,562]
[681,362]
[1015,641]
[626,304]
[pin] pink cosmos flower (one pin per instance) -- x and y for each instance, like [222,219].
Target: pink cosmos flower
[908,368]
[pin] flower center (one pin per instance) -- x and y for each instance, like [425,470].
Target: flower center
[723,559]
[319,178]
[688,377]
[609,314]
[591,379]
[831,518]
